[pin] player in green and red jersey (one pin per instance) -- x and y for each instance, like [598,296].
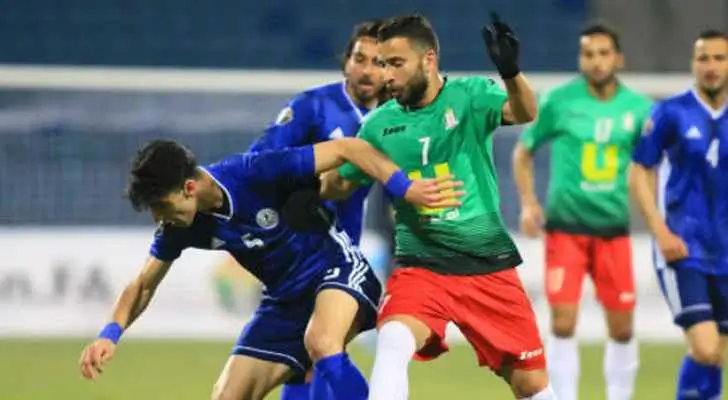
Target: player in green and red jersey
[453,265]
[593,124]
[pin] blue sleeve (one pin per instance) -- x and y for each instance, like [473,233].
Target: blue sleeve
[168,243]
[292,166]
[293,127]
[657,134]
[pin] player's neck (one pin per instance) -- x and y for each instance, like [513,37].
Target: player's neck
[433,90]
[604,92]
[210,196]
[370,104]
[714,102]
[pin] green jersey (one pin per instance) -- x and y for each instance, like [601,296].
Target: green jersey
[591,147]
[452,135]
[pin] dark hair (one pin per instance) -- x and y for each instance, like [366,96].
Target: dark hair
[712,34]
[158,169]
[414,27]
[365,29]
[602,28]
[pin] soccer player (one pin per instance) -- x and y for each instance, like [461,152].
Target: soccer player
[329,112]
[593,124]
[679,177]
[453,264]
[334,111]
[319,291]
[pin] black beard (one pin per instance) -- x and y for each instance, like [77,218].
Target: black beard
[414,94]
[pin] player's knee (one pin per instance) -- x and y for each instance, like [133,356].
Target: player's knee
[706,354]
[221,391]
[563,321]
[526,383]
[621,333]
[320,344]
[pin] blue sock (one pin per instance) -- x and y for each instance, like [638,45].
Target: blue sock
[695,380]
[715,383]
[336,377]
[296,392]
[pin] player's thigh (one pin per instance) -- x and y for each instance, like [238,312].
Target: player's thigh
[249,378]
[567,260]
[495,315]
[346,303]
[419,299]
[613,278]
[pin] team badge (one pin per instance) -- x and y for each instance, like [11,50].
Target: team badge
[628,122]
[450,120]
[647,127]
[267,218]
[285,116]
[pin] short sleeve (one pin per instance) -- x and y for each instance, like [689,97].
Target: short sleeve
[351,172]
[543,129]
[487,97]
[656,135]
[292,127]
[284,166]
[168,243]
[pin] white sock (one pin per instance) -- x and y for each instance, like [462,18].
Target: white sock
[621,361]
[562,358]
[546,394]
[395,348]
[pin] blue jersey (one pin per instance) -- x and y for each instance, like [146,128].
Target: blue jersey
[316,115]
[689,142]
[255,187]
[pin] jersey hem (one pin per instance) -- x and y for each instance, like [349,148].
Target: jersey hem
[462,265]
[574,229]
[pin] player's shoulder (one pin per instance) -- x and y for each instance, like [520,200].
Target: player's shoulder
[317,93]
[676,102]
[635,97]
[572,89]
[471,83]
[383,114]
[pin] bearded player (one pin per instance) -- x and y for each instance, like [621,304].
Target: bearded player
[453,264]
[680,180]
[593,124]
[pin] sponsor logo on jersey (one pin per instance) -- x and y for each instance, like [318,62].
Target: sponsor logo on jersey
[267,218]
[693,133]
[450,120]
[285,116]
[336,133]
[525,355]
[394,129]
[216,243]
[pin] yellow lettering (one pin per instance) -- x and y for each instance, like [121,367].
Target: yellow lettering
[599,163]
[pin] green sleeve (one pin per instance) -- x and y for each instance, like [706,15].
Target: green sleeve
[351,172]
[488,97]
[643,116]
[543,129]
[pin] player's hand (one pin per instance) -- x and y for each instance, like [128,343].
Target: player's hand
[532,220]
[95,356]
[435,193]
[673,248]
[502,46]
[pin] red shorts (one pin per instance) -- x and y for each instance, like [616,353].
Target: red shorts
[608,261]
[492,311]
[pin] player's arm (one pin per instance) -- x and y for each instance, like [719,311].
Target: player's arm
[335,187]
[132,302]
[532,138]
[502,46]
[655,139]
[292,127]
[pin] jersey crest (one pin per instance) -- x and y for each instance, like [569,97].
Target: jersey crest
[285,116]
[267,218]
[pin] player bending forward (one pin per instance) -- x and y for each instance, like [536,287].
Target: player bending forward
[593,123]
[683,157]
[319,291]
[453,264]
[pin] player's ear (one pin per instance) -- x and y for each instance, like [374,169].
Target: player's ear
[620,60]
[430,59]
[189,188]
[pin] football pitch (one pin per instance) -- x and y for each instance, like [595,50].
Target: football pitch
[180,370]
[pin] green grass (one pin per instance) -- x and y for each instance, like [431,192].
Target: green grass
[163,370]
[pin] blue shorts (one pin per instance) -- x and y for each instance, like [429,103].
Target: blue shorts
[276,331]
[695,296]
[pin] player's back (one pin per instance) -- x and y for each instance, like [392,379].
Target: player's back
[255,189]
[686,138]
[316,115]
[592,141]
[450,136]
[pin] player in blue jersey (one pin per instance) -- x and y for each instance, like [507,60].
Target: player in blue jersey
[331,112]
[319,290]
[334,111]
[683,158]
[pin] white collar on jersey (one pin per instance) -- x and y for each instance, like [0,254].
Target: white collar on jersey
[715,114]
[225,192]
[357,111]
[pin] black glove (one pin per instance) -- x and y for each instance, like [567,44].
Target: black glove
[305,212]
[502,46]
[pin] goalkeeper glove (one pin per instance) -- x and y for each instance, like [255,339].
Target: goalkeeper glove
[502,46]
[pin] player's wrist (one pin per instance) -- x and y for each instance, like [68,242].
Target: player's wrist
[398,184]
[509,72]
[111,331]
